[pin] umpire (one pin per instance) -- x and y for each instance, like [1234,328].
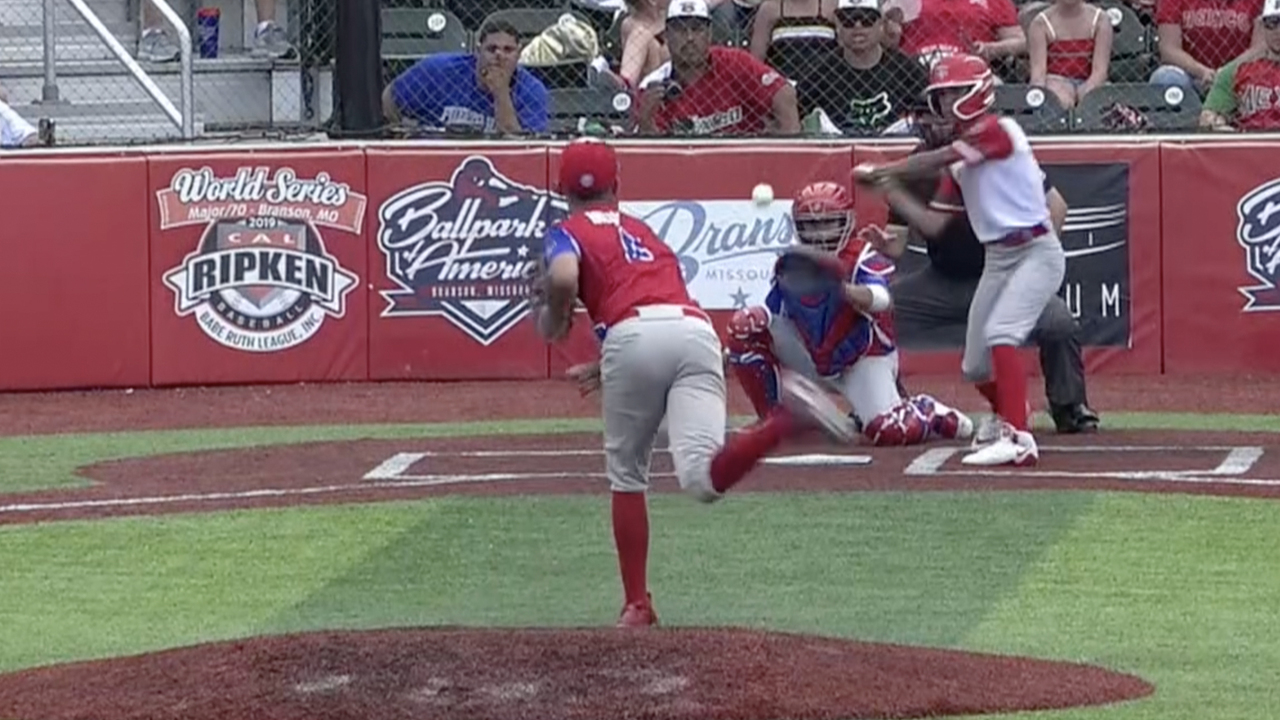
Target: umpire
[931,305]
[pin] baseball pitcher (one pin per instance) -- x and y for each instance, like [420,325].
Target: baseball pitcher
[992,162]
[828,316]
[659,356]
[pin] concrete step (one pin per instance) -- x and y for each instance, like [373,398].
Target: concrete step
[117,130]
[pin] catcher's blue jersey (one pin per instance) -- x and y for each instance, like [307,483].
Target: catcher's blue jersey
[834,333]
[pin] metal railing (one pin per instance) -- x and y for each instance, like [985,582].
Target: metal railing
[184,118]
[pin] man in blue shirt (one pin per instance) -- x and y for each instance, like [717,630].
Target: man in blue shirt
[486,91]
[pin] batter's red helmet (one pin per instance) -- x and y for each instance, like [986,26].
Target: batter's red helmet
[823,216]
[966,72]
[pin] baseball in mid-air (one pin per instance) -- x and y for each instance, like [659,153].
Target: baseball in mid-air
[762,194]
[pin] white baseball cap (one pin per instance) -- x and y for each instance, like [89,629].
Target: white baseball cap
[688,9]
[1271,8]
[874,5]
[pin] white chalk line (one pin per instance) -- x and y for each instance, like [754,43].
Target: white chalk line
[928,464]
[1236,462]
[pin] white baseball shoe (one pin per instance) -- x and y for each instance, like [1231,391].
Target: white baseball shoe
[809,401]
[989,430]
[1012,447]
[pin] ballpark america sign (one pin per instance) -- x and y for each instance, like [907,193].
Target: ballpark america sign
[466,249]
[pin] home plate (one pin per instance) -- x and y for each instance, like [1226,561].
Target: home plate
[819,460]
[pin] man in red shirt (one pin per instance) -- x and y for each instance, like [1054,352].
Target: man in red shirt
[659,356]
[712,90]
[1199,37]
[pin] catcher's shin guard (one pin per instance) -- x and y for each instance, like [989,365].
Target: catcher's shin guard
[905,424]
[751,356]
[943,421]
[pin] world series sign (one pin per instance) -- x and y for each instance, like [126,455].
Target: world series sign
[260,279]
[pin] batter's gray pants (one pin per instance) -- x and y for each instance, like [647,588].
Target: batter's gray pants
[931,311]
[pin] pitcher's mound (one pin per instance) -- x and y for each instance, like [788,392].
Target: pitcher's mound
[549,674]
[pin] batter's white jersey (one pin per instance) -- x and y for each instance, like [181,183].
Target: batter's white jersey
[1000,179]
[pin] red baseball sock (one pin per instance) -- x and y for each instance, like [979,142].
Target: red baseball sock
[1011,385]
[744,449]
[631,536]
[988,390]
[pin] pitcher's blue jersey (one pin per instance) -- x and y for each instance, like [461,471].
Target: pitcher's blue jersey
[834,333]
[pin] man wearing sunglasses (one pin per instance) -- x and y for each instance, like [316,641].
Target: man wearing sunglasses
[712,90]
[1245,95]
[864,88]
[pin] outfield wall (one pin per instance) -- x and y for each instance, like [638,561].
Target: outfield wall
[392,261]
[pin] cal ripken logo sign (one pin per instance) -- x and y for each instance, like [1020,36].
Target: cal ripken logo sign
[260,279]
[466,249]
[1258,232]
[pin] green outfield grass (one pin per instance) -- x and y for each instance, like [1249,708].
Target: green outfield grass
[1181,590]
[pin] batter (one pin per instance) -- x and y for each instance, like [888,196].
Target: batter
[992,162]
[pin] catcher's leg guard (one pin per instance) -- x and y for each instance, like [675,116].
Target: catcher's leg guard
[903,425]
[751,356]
[944,421]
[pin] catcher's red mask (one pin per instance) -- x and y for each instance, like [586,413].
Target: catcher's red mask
[823,216]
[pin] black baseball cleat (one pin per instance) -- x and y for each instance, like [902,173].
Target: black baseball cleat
[1075,419]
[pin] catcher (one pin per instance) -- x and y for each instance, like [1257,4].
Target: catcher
[828,317]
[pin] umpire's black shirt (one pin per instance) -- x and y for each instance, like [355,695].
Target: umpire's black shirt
[956,253]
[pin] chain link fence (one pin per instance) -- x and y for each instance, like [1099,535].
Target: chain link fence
[822,68]
[849,68]
[114,72]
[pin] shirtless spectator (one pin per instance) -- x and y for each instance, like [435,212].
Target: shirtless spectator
[1246,93]
[987,28]
[1070,49]
[1197,37]
[644,47]
[707,90]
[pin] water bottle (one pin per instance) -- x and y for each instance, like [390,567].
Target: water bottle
[207,31]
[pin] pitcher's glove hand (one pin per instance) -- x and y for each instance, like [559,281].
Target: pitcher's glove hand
[804,270]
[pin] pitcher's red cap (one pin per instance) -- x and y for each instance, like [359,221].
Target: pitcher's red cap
[587,167]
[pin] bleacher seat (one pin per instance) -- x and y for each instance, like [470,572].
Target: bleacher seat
[1132,57]
[1036,109]
[1165,108]
[568,105]
[473,13]
[409,34]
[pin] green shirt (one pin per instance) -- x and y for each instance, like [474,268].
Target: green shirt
[1222,96]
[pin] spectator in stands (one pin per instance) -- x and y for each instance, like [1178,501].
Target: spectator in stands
[484,92]
[863,88]
[987,28]
[15,131]
[157,44]
[1246,93]
[1070,49]
[644,48]
[1199,36]
[788,34]
[706,90]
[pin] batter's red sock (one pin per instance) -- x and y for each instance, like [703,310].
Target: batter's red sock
[1011,385]
[631,537]
[988,390]
[744,449]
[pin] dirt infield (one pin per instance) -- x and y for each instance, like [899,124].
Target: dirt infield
[380,470]
[410,402]
[554,674]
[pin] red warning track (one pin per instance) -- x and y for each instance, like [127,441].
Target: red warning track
[366,471]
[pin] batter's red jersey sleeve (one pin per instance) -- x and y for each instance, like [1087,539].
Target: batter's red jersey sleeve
[987,139]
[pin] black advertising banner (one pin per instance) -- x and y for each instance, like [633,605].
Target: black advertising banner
[1096,241]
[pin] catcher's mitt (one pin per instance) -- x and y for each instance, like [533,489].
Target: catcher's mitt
[803,270]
